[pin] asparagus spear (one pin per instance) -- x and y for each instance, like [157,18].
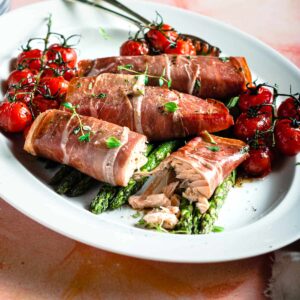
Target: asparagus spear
[69,181]
[81,187]
[154,159]
[196,220]
[60,174]
[101,201]
[216,202]
[185,224]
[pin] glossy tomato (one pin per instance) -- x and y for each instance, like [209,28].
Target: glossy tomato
[247,125]
[53,86]
[62,55]
[182,47]
[14,116]
[259,163]
[31,59]
[287,136]
[255,97]
[162,36]
[289,108]
[132,47]
[41,104]
[69,74]
[22,95]
[20,78]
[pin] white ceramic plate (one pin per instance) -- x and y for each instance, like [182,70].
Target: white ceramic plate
[259,217]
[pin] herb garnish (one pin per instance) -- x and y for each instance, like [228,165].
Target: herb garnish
[218,229]
[232,102]
[136,215]
[170,107]
[224,59]
[104,33]
[213,148]
[100,96]
[85,130]
[113,142]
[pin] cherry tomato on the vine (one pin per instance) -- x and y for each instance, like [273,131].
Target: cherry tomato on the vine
[20,78]
[14,116]
[287,136]
[257,97]
[21,95]
[246,126]
[53,86]
[132,47]
[41,104]
[182,47]
[259,162]
[62,55]
[31,59]
[289,108]
[69,74]
[162,36]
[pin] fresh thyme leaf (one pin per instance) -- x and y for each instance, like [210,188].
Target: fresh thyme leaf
[160,81]
[101,96]
[233,102]
[146,80]
[136,215]
[76,130]
[78,85]
[104,33]
[113,142]
[224,59]
[86,128]
[125,67]
[169,83]
[170,107]
[218,229]
[85,137]
[213,148]
[67,105]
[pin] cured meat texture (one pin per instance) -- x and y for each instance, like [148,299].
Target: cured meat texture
[124,100]
[192,172]
[54,135]
[202,76]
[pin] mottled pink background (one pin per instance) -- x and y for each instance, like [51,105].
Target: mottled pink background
[37,263]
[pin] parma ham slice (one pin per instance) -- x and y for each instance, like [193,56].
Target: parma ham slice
[54,135]
[202,76]
[125,100]
[194,171]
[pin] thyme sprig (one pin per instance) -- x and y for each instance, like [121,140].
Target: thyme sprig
[84,130]
[161,79]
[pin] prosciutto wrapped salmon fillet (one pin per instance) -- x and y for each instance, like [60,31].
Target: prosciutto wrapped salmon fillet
[202,76]
[126,101]
[54,135]
[193,172]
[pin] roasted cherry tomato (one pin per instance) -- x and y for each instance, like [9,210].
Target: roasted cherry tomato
[182,47]
[21,95]
[69,74]
[287,136]
[20,78]
[41,104]
[62,55]
[259,162]
[132,47]
[14,116]
[289,108]
[31,59]
[246,125]
[53,86]
[254,97]
[162,36]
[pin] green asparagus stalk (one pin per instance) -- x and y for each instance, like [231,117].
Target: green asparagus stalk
[101,201]
[60,174]
[216,202]
[185,224]
[69,181]
[81,187]
[196,220]
[154,159]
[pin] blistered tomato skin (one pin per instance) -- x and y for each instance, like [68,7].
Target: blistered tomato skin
[289,108]
[20,78]
[259,163]
[182,47]
[14,117]
[31,59]
[161,37]
[287,137]
[246,126]
[134,48]
[251,99]
[65,55]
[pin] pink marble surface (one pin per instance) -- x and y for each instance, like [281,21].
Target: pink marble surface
[36,263]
